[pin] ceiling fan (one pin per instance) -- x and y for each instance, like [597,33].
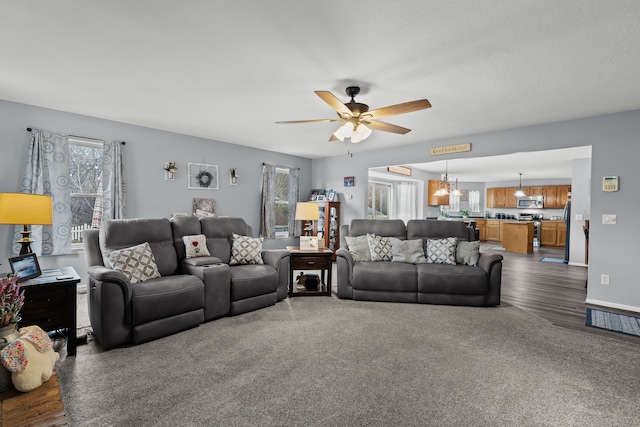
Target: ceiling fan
[357,120]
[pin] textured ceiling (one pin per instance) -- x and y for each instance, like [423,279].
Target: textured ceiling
[227,70]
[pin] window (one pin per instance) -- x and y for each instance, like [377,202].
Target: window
[282,202]
[454,202]
[474,201]
[85,174]
[379,198]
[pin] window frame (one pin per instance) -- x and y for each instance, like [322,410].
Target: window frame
[284,170]
[90,143]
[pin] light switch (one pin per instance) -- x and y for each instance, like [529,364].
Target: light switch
[608,219]
[579,217]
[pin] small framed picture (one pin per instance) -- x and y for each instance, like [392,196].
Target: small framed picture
[25,267]
[308,243]
[349,181]
[321,198]
[331,196]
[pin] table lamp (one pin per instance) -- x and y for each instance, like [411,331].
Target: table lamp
[26,209]
[307,212]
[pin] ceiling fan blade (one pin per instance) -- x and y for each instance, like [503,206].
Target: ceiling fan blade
[392,110]
[334,102]
[310,121]
[386,127]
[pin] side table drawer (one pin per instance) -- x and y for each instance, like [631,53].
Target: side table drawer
[46,320]
[310,262]
[45,300]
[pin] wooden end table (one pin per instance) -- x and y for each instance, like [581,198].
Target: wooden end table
[320,259]
[50,302]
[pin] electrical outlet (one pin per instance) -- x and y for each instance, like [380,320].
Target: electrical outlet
[609,219]
[604,279]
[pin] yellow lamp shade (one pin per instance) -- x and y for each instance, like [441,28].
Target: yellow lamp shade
[26,209]
[307,211]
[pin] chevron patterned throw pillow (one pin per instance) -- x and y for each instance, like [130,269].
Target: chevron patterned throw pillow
[136,262]
[380,248]
[441,251]
[246,250]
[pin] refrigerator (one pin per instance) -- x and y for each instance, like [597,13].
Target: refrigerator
[567,223]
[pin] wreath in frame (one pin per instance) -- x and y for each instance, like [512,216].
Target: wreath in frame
[204,179]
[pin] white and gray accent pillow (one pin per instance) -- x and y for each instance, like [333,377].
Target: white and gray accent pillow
[409,251]
[468,253]
[195,245]
[359,248]
[380,248]
[136,262]
[246,250]
[441,251]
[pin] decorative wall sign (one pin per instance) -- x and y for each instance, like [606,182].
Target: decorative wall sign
[203,208]
[203,176]
[450,149]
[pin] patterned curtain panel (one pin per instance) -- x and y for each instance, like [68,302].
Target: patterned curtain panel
[113,202]
[47,173]
[268,205]
[295,227]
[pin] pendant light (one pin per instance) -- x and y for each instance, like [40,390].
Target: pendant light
[519,193]
[444,183]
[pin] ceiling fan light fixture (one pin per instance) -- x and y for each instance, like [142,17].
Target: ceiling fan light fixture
[361,133]
[344,131]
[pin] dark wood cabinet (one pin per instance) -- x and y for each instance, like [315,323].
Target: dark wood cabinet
[329,224]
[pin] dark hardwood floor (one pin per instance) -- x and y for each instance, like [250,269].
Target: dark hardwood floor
[555,292]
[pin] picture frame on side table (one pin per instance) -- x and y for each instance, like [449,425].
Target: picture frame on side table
[25,267]
[331,196]
[308,243]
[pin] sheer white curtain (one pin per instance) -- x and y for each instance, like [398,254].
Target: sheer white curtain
[406,200]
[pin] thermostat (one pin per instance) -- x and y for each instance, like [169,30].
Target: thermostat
[610,183]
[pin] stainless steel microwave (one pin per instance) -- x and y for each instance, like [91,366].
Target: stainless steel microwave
[530,202]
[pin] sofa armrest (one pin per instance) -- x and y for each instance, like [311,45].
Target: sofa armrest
[274,257]
[107,277]
[492,265]
[201,261]
[345,263]
[216,277]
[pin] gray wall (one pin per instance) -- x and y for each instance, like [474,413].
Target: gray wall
[146,151]
[615,151]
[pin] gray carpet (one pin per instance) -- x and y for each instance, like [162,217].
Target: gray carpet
[325,361]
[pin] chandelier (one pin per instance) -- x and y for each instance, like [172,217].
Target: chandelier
[445,183]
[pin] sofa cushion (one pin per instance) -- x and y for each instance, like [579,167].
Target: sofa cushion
[385,276]
[246,250]
[410,251]
[441,251]
[468,253]
[248,281]
[434,229]
[166,296]
[451,279]
[359,248]
[136,262]
[219,232]
[195,246]
[379,247]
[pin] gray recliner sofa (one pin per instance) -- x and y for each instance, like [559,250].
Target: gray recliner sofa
[189,291]
[422,282]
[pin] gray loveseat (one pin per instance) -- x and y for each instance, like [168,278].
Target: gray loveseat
[188,292]
[429,283]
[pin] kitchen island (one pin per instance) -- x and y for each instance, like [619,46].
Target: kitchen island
[517,236]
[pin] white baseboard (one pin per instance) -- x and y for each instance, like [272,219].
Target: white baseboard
[612,305]
[82,288]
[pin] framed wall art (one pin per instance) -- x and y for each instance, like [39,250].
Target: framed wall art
[349,181]
[202,176]
[203,208]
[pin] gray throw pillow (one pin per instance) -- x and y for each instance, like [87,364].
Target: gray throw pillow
[380,248]
[468,253]
[246,250]
[441,251]
[359,248]
[136,262]
[409,251]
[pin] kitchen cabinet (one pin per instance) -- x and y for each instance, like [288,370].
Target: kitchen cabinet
[535,191]
[511,201]
[492,230]
[432,200]
[496,197]
[550,194]
[517,236]
[562,195]
[553,233]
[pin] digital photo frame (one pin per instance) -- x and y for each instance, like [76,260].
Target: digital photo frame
[25,267]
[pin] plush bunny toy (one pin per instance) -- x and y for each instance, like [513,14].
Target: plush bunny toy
[30,358]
